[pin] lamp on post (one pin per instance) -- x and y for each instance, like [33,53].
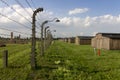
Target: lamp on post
[49,35]
[33,43]
[54,36]
[42,41]
[45,37]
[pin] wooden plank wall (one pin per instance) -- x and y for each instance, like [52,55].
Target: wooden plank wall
[115,44]
[85,41]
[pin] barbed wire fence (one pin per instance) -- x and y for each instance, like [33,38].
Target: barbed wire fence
[6,36]
[22,32]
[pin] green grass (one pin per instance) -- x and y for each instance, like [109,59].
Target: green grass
[62,61]
[80,63]
[18,62]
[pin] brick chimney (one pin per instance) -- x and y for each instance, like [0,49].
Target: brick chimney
[11,36]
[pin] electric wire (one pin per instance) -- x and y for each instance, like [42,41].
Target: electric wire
[33,3]
[19,14]
[14,10]
[14,31]
[29,5]
[15,21]
[23,7]
[5,34]
[32,10]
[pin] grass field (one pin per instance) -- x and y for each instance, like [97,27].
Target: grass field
[18,62]
[62,61]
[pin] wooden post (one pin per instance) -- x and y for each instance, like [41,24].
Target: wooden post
[98,52]
[5,58]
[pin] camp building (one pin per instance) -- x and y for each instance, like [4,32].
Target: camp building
[83,40]
[71,40]
[109,41]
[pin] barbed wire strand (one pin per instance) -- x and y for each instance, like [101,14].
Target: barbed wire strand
[23,7]
[15,21]
[15,10]
[14,31]
[5,34]
[32,10]
[29,5]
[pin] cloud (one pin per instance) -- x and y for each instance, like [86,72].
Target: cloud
[66,20]
[91,21]
[68,26]
[87,21]
[81,33]
[11,25]
[94,33]
[90,25]
[78,11]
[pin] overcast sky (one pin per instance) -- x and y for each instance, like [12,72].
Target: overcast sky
[78,17]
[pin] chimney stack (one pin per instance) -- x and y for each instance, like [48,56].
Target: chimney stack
[11,35]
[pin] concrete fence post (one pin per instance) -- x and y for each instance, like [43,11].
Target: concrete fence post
[5,58]
[33,42]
